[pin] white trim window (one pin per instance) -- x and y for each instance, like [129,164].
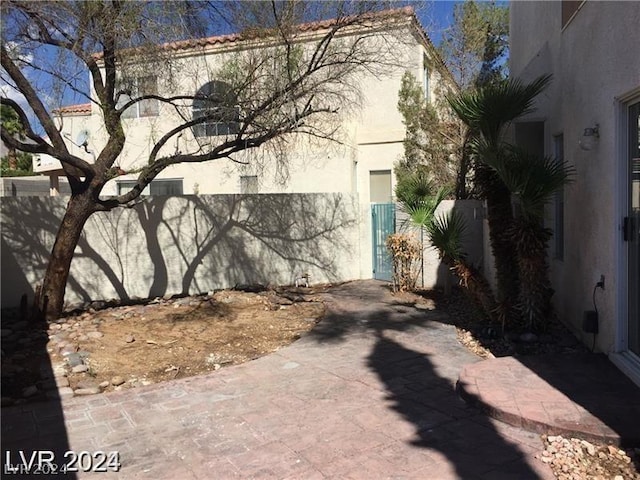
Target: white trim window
[217,102]
[159,187]
[138,87]
[425,79]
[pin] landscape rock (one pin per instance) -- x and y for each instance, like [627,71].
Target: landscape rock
[117,380]
[87,384]
[74,359]
[129,339]
[65,392]
[87,391]
[95,334]
[79,368]
[68,349]
[61,382]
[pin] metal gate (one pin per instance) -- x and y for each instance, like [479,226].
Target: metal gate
[383,221]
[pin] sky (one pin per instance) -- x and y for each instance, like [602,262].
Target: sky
[436,16]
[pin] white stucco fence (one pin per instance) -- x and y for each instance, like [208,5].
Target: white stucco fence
[193,244]
[187,244]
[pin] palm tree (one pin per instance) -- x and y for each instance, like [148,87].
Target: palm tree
[487,111]
[532,181]
[414,193]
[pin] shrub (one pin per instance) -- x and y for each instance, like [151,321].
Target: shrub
[405,253]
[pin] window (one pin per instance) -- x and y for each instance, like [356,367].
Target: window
[558,230]
[156,187]
[249,184]
[380,186]
[425,64]
[140,86]
[217,102]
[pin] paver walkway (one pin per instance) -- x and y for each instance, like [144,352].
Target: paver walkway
[370,393]
[579,395]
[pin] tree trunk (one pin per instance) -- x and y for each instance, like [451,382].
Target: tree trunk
[531,240]
[500,219]
[50,301]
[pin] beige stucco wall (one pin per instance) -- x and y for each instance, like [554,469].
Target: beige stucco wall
[371,130]
[193,244]
[594,60]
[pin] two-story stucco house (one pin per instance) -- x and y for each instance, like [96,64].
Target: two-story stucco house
[589,117]
[369,138]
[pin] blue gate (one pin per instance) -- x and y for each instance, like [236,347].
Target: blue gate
[383,221]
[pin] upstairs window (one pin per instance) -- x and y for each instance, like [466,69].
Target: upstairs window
[136,88]
[217,102]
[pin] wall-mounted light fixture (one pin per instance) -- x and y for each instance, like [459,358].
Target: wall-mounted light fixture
[590,137]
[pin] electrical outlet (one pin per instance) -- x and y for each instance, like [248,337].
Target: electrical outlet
[601,282]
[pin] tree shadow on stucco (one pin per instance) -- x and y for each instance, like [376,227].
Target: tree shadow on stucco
[420,386]
[27,372]
[29,227]
[257,239]
[194,243]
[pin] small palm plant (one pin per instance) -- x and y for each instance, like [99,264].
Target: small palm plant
[445,234]
[415,194]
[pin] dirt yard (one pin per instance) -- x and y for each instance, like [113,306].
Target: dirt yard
[129,346]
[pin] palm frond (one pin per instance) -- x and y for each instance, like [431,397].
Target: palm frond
[446,232]
[490,108]
[416,198]
[532,179]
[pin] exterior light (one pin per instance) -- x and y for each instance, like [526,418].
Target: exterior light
[590,137]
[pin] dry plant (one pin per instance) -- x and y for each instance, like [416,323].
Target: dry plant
[405,253]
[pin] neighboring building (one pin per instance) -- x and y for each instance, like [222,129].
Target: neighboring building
[31,187]
[371,136]
[589,117]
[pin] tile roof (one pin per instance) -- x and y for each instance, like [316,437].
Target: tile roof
[78,109]
[254,33]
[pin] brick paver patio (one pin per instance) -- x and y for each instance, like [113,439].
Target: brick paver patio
[370,393]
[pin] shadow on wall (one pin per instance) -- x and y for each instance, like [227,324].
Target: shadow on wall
[189,244]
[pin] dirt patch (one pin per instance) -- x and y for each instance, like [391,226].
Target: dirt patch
[129,346]
[162,342]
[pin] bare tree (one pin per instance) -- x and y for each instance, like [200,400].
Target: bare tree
[295,66]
